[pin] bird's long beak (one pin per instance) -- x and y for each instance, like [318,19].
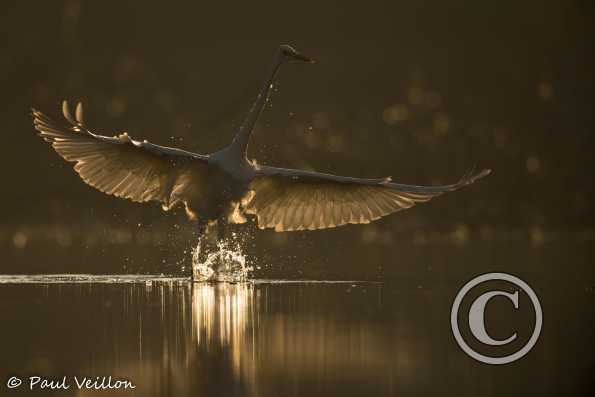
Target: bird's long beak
[303,58]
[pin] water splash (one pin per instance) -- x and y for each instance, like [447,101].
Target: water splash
[226,262]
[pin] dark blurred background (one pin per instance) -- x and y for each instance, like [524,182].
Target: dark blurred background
[419,90]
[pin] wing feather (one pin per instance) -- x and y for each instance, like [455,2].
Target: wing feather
[286,199]
[119,165]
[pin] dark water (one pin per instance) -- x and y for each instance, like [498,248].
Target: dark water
[273,338]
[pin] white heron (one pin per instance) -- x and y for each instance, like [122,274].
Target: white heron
[223,187]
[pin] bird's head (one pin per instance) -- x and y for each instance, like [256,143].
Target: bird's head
[291,54]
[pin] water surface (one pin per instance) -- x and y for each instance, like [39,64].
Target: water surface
[171,337]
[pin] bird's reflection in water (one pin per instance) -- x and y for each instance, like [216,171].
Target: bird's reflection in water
[174,338]
[297,338]
[221,314]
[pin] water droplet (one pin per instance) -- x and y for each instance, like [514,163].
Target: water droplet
[225,263]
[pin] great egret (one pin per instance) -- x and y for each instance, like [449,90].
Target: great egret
[224,186]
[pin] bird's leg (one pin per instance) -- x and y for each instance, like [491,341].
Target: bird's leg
[202,226]
[212,260]
[221,230]
[207,243]
[219,261]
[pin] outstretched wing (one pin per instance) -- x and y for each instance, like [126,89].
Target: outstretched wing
[121,166]
[286,199]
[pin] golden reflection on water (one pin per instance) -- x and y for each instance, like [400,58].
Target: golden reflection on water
[170,337]
[268,335]
[174,338]
[221,313]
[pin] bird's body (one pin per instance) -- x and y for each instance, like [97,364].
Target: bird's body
[225,186]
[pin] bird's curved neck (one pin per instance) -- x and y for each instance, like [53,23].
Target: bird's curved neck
[242,138]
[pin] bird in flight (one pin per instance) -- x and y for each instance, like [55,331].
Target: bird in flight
[223,187]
